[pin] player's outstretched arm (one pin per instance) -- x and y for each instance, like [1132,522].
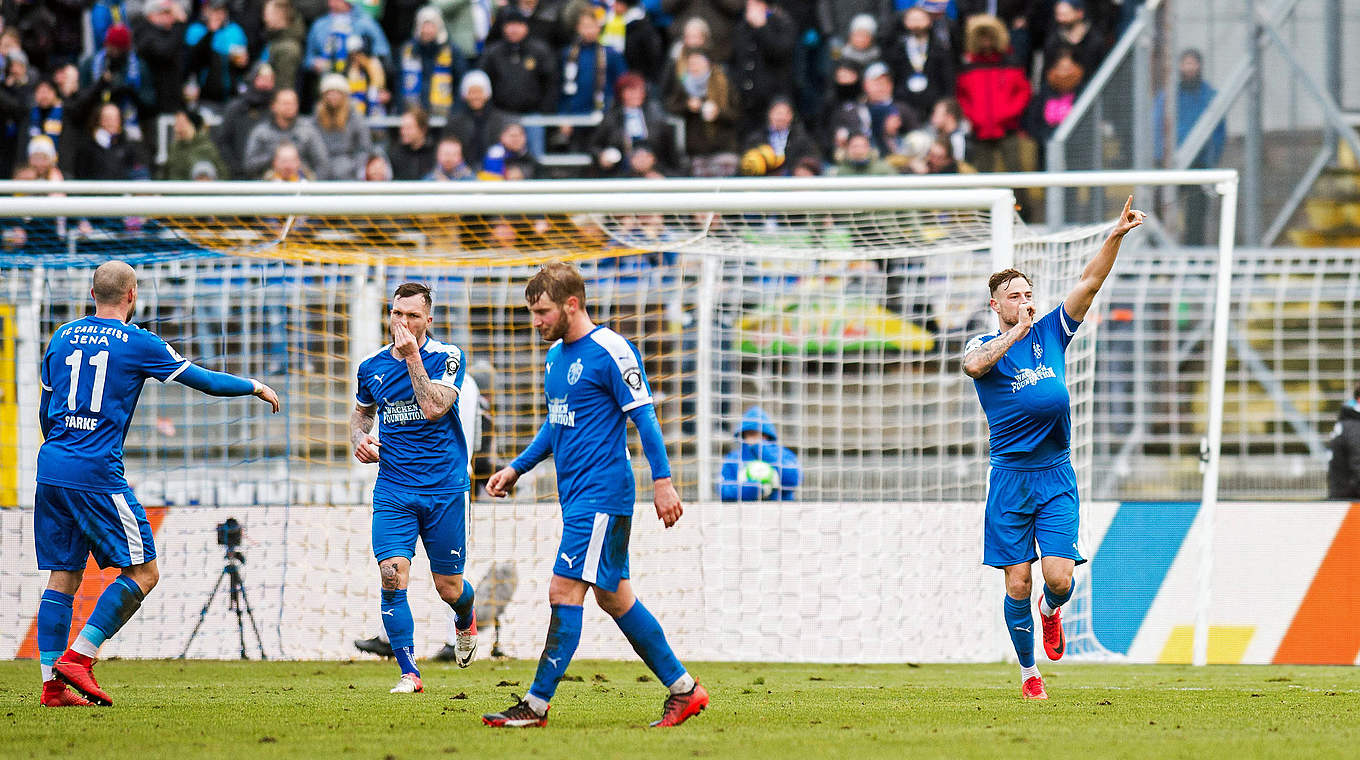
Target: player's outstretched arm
[360,428]
[224,384]
[503,480]
[1078,302]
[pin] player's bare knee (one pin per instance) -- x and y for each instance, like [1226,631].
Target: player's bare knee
[1059,586]
[1019,588]
[449,587]
[145,576]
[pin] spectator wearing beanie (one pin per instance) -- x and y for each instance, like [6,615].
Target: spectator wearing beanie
[476,123]
[242,115]
[114,74]
[42,159]
[523,70]
[343,129]
[860,46]
[431,67]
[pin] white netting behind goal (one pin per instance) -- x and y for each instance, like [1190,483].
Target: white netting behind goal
[844,325]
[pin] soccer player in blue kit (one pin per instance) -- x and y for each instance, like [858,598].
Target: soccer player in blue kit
[92,376]
[1032,497]
[411,386]
[594,384]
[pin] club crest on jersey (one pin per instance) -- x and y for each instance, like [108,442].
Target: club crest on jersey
[633,377]
[451,366]
[1038,350]
[574,372]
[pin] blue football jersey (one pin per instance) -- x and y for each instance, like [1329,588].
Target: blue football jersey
[1025,396]
[591,384]
[416,454]
[94,369]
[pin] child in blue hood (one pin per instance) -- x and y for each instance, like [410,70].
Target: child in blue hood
[743,476]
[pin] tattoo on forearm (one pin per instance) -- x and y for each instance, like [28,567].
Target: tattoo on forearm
[361,423]
[990,352]
[431,397]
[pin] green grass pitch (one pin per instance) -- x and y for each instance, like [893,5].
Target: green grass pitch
[193,709]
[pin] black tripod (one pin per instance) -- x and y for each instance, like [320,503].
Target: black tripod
[236,600]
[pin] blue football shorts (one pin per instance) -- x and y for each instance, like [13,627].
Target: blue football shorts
[69,525]
[594,548]
[1029,507]
[439,520]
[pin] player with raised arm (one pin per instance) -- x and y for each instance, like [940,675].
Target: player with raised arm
[410,387]
[594,383]
[1020,377]
[92,375]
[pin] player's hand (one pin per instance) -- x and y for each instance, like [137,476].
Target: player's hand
[500,483]
[1025,320]
[667,501]
[1128,219]
[367,450]
[267,395]
[403,341]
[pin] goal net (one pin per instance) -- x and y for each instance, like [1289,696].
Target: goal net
[841,314]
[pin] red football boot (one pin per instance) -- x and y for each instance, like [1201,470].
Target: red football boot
[1033,688]
[681,707]
[77,670]
[55,694]
[1054,641]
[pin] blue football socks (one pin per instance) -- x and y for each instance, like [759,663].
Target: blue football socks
[462,609]
[1020,625]
[400,627]
[564,634]
[54,628]
[649,641]
[1054,601]
[114,608]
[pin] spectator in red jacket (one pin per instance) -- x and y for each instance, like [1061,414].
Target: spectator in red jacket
[993,92]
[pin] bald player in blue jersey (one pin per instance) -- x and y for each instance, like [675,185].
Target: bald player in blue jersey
[92,375]
[594,383]
[411,388]
[1020,376]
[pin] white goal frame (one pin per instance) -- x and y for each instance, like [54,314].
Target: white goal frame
[984,192]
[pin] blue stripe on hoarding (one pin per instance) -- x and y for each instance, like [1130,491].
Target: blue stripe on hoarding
[1131,564]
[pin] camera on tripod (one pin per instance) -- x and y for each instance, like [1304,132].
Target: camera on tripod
[229,535]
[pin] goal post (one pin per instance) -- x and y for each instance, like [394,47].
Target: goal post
[839,304]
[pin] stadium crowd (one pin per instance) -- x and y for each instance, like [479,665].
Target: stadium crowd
[307,89]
